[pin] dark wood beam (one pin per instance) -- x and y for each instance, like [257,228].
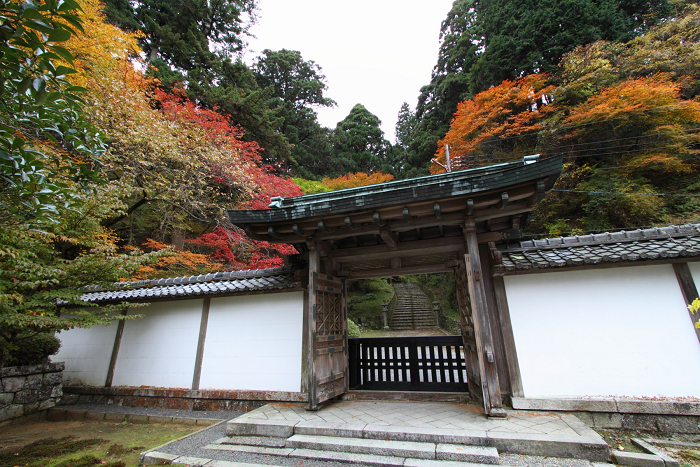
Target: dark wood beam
[389,238]
[407,271]
[688,289]
[429,247]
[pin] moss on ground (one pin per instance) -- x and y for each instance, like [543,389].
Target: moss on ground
[42,444]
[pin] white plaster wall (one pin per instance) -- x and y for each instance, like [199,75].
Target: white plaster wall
[695,272]
[86,353]
[254,342]
[160,349]
[605,332]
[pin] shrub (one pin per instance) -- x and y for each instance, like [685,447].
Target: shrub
[33,349]
[353,329]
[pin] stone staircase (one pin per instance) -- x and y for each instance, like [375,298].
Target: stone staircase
[379,434]
[355,447]
[413,309]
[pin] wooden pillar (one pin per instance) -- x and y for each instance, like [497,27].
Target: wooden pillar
[314,267]
[511,357]
[496,330]
[115,351]
[482,325]
[689,290]
[196,377]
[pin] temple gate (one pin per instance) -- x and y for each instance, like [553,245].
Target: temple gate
[440,223]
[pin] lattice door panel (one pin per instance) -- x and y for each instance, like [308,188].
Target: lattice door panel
[329,375]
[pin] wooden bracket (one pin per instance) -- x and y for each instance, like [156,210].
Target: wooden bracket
[389,237]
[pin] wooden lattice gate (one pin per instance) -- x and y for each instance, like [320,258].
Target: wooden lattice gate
[328,374]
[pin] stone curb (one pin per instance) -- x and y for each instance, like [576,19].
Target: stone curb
[668,461]
[159,456]
[60,415]
[609,405]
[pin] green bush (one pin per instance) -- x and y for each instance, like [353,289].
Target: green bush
[353,329]
[33,349]
[361,298]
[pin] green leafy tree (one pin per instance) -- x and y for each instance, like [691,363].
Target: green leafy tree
[298,88]
[52,242]
[359,143]
[44,140]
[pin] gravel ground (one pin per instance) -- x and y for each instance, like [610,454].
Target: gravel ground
[155,411]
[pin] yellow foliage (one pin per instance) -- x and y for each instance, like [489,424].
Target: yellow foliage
[352,180]
[183,263]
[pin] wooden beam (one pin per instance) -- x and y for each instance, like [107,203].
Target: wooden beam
[496,331]
[115,351]
[389,238]
[388,272]
[196,376]
[404,249]
[314,267]
[512,365]
[482,327]
[688,289]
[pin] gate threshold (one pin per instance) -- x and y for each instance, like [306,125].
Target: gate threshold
[409,396]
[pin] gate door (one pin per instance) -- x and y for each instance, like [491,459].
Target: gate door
[408,364]
[328,372]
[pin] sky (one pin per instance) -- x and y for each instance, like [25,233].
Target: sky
[377,53]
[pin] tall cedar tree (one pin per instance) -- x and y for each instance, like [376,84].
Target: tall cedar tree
[359,144]
[298,87]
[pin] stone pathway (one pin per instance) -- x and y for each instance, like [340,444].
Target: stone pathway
[424,415]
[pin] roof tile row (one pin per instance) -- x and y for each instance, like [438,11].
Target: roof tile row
[209,284]
[649,244]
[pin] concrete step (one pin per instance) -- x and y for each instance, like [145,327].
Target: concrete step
[406,449]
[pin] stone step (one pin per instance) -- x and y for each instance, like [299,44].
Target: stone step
[406,449]
[370,452]
[355,459]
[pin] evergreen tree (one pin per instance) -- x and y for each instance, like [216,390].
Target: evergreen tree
[297,88]
[359,144]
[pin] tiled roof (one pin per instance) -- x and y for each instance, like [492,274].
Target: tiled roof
[206,284]
[637,245]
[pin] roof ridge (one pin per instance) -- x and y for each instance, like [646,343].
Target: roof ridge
[622,236]
[197,279]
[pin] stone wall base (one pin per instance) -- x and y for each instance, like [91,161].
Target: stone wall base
[673,416]
[182,399]
[25,390]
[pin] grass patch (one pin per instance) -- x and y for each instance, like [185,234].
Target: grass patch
[42,444]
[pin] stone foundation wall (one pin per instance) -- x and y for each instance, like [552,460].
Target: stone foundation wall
[25,390]
[173,398]
[673,416]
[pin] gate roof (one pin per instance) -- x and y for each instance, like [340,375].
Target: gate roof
[406,226]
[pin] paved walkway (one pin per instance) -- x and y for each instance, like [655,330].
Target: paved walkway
[440,415]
